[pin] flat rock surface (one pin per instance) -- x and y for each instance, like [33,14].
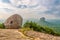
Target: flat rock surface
[14,34]
[41,36]
[11,34]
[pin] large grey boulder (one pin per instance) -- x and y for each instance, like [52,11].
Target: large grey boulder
[13,22]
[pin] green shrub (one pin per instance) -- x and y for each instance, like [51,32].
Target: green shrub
[39,28]
[2,26]
[49,30]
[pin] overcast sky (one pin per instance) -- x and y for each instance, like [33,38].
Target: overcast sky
[50,9]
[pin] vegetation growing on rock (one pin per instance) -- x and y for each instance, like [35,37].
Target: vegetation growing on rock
[36,27]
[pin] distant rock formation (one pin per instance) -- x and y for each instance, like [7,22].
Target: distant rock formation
[42,19]
[13,22]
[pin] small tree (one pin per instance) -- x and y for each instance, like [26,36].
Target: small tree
[2,26]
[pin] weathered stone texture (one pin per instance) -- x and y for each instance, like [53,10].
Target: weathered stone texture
[13,22]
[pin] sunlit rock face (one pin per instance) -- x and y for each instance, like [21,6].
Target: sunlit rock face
[13,22]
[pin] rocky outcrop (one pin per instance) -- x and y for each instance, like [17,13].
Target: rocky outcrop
[42,19]
[14,34]
[13,22]
[40,36]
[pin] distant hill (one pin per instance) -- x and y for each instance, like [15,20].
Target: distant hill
[53,24]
